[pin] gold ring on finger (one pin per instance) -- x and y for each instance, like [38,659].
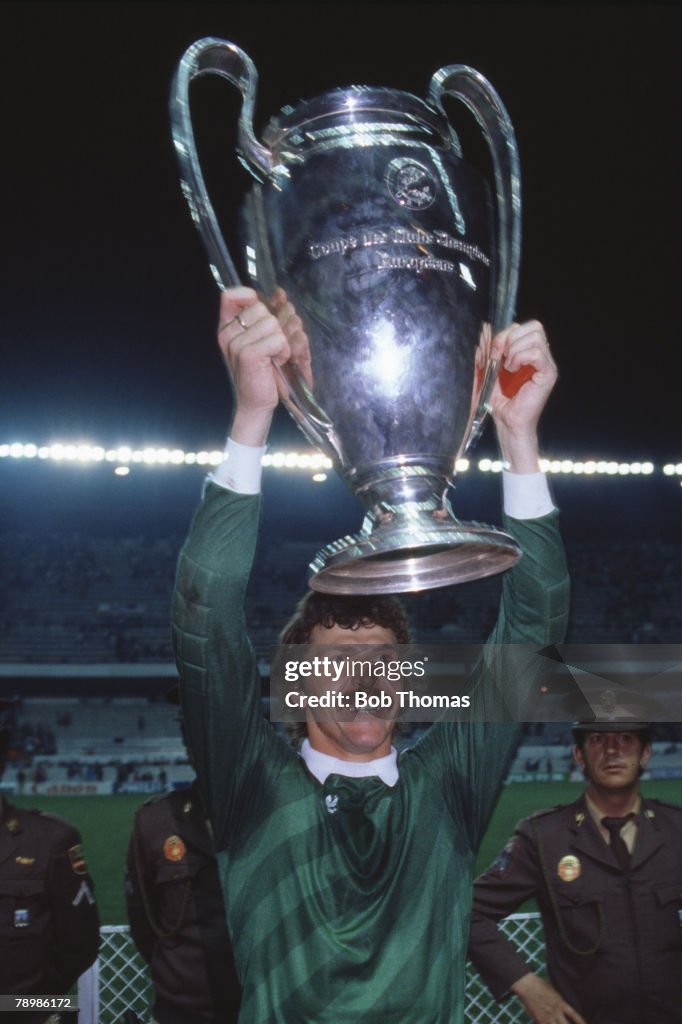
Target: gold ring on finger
[226,323]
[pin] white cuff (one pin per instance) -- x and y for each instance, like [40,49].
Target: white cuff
[241,469]
[526,495]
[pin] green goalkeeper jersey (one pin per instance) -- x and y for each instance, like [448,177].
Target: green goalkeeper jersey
[347,901]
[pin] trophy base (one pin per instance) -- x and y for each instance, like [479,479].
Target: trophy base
[402,557]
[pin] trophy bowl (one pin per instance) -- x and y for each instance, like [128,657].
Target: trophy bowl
[401,265]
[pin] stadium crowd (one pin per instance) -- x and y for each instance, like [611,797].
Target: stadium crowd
[84,600]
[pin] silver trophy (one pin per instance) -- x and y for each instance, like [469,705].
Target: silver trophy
[401,268]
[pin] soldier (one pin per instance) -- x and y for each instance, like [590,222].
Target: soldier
[606,872]
[175,910]
[49,925]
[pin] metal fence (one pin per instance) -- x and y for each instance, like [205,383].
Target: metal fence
[119,979]
[116,982]
[526,932]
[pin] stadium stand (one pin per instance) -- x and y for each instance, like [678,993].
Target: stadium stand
[87,600]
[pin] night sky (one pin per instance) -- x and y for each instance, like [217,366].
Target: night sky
[108,307]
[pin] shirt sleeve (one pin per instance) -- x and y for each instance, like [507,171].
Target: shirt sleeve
[501,890]
[139,886]
[74,912]
[472,758]
[233,748]
[526,495]
[241,469]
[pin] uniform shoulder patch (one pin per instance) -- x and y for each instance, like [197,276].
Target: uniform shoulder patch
[77,860]
[83,894]
[502,864]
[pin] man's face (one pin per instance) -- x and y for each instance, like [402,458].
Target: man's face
[349,734]
[612,760]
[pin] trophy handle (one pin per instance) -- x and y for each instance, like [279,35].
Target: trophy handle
[218,57]
[476,92]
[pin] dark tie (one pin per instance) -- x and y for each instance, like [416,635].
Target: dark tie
[618,845]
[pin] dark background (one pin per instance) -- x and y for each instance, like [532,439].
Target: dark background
[108,307]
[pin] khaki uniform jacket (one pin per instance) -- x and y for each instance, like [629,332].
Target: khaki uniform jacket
[613,939]
[49,926]
[176,913]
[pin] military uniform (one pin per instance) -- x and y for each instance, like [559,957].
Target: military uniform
[176,914]
[613,937]
[49,926]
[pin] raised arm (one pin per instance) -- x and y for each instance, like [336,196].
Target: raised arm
[534,602]
[535,593]
[233,748]
[251,340]
[516,417]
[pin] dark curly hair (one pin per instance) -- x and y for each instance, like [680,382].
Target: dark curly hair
[349,612]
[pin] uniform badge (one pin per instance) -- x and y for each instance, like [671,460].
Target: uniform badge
[569,868]
[22,919]
[174,849]
[504,859]
[83,894]
[78,860]
[24,860]
[331,803]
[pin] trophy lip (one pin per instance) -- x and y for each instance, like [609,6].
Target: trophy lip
[355,99]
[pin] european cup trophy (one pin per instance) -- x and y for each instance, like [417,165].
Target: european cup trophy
[401,267]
